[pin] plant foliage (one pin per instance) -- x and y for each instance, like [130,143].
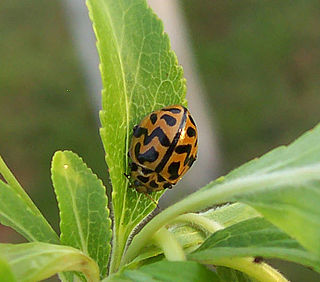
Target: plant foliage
[139,74]
[274,211]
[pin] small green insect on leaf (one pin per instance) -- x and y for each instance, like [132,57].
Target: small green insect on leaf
[85,222]
[140,74]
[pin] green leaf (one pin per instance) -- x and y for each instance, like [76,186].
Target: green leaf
[227,274]
[5,272]
[283,186]
[230,214]
[192,233]
[140,73]
[85,222]
[15,185]
[17,214]
[254,237]
[187,271]
[296,199]
[293,208]
[38,261]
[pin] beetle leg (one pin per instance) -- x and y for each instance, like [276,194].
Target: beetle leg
[150,198]
[126,175]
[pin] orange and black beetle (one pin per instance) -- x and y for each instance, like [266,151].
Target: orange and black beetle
[163,147]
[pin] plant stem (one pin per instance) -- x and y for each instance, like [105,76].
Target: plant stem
[259,271]
[172,250]
[221,193]
[14,184]
[117,251]
[204,223]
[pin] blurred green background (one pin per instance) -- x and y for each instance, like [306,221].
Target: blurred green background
[44,102]
[259,61]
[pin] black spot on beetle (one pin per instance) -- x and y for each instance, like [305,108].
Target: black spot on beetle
[153,118]
[146,171]
[149,156]
[172,110]
[182,149]
[134,167]
[160,178]
[171,121]
[153,184]
[173,170]
[138,131]
[191,132]
[143,179]
[158,132]
[167,185]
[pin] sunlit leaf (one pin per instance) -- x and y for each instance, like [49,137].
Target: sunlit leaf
[85,222]
[17,214]
[254,237]
[38,261]
[5,272]
[140,73]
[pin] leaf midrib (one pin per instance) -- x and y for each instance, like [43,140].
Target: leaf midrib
[126,103]
[76,214]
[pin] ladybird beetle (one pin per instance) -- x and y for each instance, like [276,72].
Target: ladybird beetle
[163,147]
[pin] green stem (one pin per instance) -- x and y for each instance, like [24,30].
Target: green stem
[202,222]
[170,246]
[14,184]
[221,193]
[259,271]
[116,254]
